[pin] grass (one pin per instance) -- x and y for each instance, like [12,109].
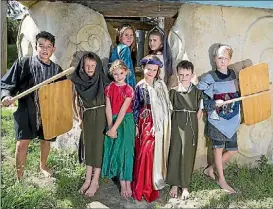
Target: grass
[254,184]
[11,54]
[30,193]
[254,187]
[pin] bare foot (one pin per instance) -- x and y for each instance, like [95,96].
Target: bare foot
[208,171]
[84,187]
[123,191]
[46,171]
[128,189]
[20,173]
[185,194]
[173,192]
[226,187]
[90,192]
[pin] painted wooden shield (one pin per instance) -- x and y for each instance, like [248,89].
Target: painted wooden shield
[255,79]
[56,108]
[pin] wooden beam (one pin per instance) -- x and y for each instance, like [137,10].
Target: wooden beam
[169,22]
[132,8]
[137,24]
[4,40]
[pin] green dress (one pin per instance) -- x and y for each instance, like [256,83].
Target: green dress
[184,135]
[118,155]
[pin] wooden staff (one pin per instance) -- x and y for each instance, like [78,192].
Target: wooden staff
[55,77]
[246,97]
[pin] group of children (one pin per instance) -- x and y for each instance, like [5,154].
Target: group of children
[144,134]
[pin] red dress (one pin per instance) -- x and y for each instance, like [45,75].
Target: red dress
[142,185]
[117,94]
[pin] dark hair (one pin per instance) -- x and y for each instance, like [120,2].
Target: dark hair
[46,35]
[156,33]
[185,64]
[154,58]
[89,56]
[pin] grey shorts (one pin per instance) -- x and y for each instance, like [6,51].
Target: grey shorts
[227,145]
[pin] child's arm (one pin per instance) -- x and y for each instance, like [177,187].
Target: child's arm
[108,108]
[122,112]
[136,107]
[209,104]
[77,108]
[109,116]
[125,56]
[206,85]
[10,83]
[200,111]
[136,104]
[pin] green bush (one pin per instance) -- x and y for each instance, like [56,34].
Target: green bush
[12,55]
[12,29]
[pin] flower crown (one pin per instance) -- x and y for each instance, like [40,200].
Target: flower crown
[118,65]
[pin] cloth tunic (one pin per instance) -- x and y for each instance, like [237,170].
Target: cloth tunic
[91,99]
[217,85]
[184,135]
[94,123]
[25,73]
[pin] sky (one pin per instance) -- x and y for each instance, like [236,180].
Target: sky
[255,4]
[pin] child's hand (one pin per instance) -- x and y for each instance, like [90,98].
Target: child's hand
[80,123]
[153,131]
[199,114]
[219,102]
[7,101]
[137,131]
[112,133]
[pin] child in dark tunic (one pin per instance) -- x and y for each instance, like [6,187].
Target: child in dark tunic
[187,109]
[25,73]
[89,81]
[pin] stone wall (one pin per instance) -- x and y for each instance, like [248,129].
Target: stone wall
[197,28]
[249,32]
[76,27]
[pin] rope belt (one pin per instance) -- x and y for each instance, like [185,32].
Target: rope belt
[188,119]
[92,108]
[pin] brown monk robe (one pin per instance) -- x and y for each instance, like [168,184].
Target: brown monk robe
[184,135]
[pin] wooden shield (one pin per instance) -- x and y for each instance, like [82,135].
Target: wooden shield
[255,79]
[56,108]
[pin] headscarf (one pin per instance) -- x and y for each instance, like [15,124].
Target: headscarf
[89,88]
[167,55]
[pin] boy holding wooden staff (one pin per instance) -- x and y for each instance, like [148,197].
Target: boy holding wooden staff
[25,73]
[223,121]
